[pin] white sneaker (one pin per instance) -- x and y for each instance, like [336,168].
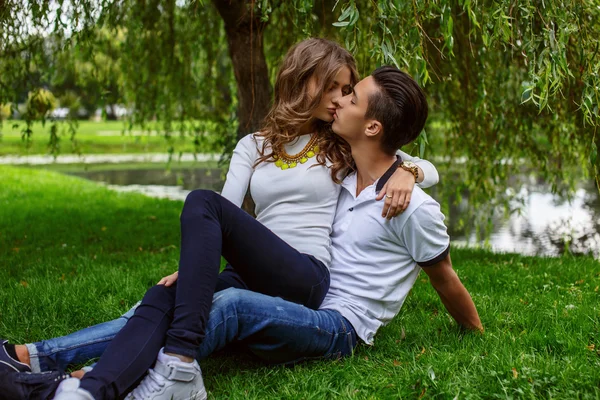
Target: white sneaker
[171,379]
[69,390]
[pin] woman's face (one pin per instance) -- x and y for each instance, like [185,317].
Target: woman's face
[340,86]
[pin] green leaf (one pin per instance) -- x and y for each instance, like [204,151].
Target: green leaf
[354,17]
[341,23]
[345,13]
[486,39]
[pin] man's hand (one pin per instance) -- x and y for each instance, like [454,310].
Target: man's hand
[169,279]
[453,294]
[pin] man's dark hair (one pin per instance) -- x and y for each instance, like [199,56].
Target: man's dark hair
[399,105]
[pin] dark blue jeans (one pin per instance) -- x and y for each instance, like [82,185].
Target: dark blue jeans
[212,226]
[276,330]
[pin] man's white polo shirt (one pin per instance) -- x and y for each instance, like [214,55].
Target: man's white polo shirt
[375,262]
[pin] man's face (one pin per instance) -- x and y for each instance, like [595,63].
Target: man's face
[349,119]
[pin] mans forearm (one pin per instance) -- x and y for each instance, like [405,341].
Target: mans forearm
[453,294]
[459,304]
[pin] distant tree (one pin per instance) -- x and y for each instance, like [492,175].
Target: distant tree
[507,79]
[90,76]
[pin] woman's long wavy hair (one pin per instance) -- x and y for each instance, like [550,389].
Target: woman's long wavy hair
[293,105]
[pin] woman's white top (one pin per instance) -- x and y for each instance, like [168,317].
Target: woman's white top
[297,204]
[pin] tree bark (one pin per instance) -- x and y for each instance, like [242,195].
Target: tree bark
[244,31]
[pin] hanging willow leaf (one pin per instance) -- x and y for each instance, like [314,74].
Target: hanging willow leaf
[505,80]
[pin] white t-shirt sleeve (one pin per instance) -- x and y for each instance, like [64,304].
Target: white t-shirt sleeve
[425,235]
[240,171]
[431,176]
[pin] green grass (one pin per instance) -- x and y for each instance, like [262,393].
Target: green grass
[96,138]
[74,253]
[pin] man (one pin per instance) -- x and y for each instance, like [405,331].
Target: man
[375,264]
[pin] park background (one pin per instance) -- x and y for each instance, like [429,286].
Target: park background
[169,86]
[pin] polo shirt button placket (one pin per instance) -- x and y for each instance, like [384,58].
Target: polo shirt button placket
[348,218]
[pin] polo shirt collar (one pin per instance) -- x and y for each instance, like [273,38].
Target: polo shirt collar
[349,183]
[388,174]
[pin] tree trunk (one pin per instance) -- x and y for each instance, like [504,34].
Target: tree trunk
[244,31]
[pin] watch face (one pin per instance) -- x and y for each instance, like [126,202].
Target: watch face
[409,164]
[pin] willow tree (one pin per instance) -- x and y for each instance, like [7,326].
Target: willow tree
[508,80]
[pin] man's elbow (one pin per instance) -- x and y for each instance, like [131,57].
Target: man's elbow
[442,274]
[446,283]
[434,177]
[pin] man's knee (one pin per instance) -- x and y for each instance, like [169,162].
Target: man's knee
[225,297]
[232,301]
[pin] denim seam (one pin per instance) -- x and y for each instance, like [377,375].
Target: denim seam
[60,349]
[36,355]
[288,321]
[345,329]
[255,316]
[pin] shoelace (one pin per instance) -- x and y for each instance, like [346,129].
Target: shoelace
[153,382]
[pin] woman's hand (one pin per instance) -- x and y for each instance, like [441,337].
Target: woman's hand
[397,191]
[169,279]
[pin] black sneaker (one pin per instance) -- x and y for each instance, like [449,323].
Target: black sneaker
[7,363]
[29,385]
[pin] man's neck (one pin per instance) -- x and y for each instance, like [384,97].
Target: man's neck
[371,164]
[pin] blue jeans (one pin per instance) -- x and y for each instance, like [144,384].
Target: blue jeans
[211,227]
[78,347]
[275,330]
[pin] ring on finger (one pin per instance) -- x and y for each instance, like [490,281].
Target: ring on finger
[389,196]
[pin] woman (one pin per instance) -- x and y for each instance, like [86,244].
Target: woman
[293,166]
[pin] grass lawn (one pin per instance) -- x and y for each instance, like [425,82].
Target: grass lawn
[97,138]
[74,254]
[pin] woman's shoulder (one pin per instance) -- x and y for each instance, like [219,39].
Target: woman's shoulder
[250,142]
[252,139]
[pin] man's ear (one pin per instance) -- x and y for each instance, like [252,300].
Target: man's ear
[373,128]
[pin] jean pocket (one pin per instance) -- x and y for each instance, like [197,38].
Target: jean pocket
[349,339]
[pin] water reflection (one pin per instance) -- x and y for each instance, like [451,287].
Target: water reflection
[544,224]
[541,223]
[174,185]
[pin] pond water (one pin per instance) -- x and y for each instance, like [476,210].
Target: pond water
[546,224]
[174,184]
[105,158]
[541,223]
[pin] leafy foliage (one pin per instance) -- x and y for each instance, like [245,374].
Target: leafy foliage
[511,81]
[508,80]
